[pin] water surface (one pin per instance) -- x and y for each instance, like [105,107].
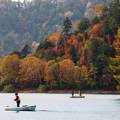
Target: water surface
[62,107]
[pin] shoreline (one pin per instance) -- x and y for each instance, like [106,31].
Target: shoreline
[67,91]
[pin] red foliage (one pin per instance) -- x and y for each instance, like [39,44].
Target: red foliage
[82,59]
[72,41]
[58,51]
[67,55]
[81,45]
[66,52]
[95,31]
[55,50]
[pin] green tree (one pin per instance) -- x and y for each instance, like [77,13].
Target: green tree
[111,17]
[84,24]
[25,51]
[99,47]
[66,32]
[99,60]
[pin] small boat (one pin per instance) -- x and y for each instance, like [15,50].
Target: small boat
[23,108]
[77,97]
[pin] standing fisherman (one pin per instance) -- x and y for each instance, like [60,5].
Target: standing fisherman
[17,99]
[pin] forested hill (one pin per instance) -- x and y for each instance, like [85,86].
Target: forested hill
[85,54]
[23,23]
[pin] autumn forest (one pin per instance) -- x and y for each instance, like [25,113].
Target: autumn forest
[84,54]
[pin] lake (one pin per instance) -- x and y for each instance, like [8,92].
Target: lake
[62,107]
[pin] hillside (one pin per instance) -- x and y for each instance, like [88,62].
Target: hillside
[23,23]
[83,55]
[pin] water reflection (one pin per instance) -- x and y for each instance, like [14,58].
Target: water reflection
[57,111]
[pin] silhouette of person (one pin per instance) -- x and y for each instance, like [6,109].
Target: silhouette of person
[72,93]
[17,99]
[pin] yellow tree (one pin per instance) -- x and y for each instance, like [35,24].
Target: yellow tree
[67,71]
[31,71]
[117,43]
[1,61]
[115,66]
[52,73]
[9,70]
[82,75]
[77,74]
[0,69]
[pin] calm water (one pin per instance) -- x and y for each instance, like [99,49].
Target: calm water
[61,107]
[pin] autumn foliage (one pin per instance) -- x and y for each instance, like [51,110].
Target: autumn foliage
[31,71]
[9,70]
[96,30]
[83,55]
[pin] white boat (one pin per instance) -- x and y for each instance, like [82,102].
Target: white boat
[23,108]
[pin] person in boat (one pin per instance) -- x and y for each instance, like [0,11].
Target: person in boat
[72,93]
[80,93]
[17,99]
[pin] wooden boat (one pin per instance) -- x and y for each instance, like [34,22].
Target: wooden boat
[77,97]
[23,108]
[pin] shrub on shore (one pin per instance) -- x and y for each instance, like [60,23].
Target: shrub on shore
[41,88]
[8,88]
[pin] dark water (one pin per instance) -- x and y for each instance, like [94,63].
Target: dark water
[62,107]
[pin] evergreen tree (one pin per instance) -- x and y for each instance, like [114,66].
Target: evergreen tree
[66,32]
[25,51]
[111,17]
[84,24]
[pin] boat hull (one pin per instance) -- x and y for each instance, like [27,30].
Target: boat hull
[23,108]
[77,97]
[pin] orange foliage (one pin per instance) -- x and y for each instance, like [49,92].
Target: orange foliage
[54,37]
[9,69]
[51,71]
[31,71]
[72,41]
[1,61]
[81,74]
[66,70]
[99,9]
